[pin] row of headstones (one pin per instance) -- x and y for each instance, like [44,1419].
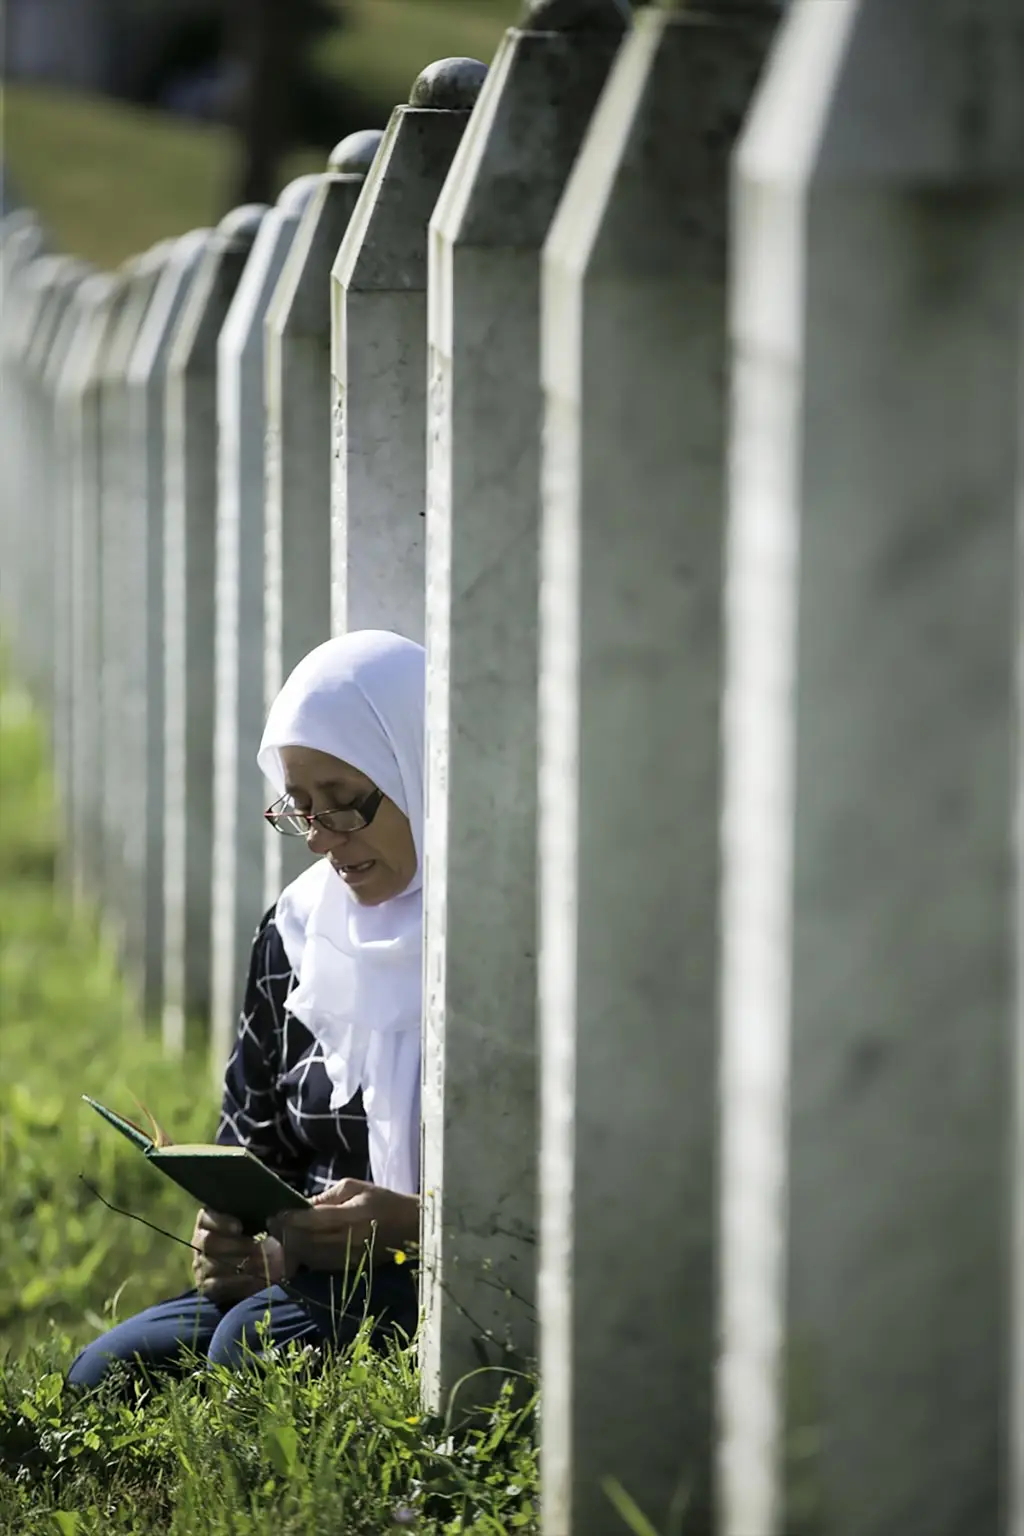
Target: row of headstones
[719,587]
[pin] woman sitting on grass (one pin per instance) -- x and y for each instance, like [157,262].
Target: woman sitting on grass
[323,1083]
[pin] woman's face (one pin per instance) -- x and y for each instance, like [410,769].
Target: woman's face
[377,862]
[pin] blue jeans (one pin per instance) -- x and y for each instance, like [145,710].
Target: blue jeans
[318,1308]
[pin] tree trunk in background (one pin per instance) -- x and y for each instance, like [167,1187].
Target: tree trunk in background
[264,42]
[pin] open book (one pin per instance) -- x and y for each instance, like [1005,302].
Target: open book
[226,1179]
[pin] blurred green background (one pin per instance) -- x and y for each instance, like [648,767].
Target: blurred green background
[110,176]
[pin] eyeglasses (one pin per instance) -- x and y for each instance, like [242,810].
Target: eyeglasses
[284,818]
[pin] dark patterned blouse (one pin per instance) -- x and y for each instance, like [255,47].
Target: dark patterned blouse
[277,1094]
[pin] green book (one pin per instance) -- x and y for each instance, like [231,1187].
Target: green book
[226,1179]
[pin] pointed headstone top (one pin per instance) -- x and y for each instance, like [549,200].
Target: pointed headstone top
[355,154]
[449,85]
[576,16]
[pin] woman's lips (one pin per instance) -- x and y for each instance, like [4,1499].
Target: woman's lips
[355,874]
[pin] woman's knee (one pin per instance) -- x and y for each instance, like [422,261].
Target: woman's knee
[93,1364]
[162,1338]
[261,1325]
[112,1353]
[243,1332]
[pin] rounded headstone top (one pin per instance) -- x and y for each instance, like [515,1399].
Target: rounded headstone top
[449,85]
[98,288]
[355,154]
[152,260]
[294,197]
[18,219]
[186,246]
[576,16]
[241,224]
[44,272]
[73,270]
[159,253]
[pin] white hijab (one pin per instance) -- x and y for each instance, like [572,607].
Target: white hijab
[358,987]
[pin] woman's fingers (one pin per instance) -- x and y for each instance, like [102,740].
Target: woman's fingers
[331,1236]
[341,1193]
[216,1271]
[325,1218]
[217,1245]
[216,1221]
[220,1254]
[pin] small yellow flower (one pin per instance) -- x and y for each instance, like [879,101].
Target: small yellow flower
[413,1418]
[399,1256]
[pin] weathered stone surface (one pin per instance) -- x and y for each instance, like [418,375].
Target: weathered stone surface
[239,835]
[872,1309]
[635,435]
[100,299]
[143,722]
[121,637]
[47,285]
[61,513]
[448,85]
[190,515]
[26,285]
[297,546]
[483,532]
[379,360]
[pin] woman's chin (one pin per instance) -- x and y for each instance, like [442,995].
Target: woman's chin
[372,885]
[367,886]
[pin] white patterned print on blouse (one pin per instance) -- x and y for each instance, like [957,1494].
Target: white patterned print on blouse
[276,1090]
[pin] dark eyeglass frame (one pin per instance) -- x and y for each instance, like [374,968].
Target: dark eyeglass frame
[366,809]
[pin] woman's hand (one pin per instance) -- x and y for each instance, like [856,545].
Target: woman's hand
[342,1221]
[230,1266]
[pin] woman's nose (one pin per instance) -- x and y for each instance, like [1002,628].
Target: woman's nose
[320,840]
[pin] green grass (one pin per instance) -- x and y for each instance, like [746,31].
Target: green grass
[290,1452]
[287,1451]
[388,42]
[110,180]
[66,1028]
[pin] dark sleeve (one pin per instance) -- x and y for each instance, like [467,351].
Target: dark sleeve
[254,1110]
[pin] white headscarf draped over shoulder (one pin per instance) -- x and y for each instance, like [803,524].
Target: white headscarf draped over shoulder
[358,986]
